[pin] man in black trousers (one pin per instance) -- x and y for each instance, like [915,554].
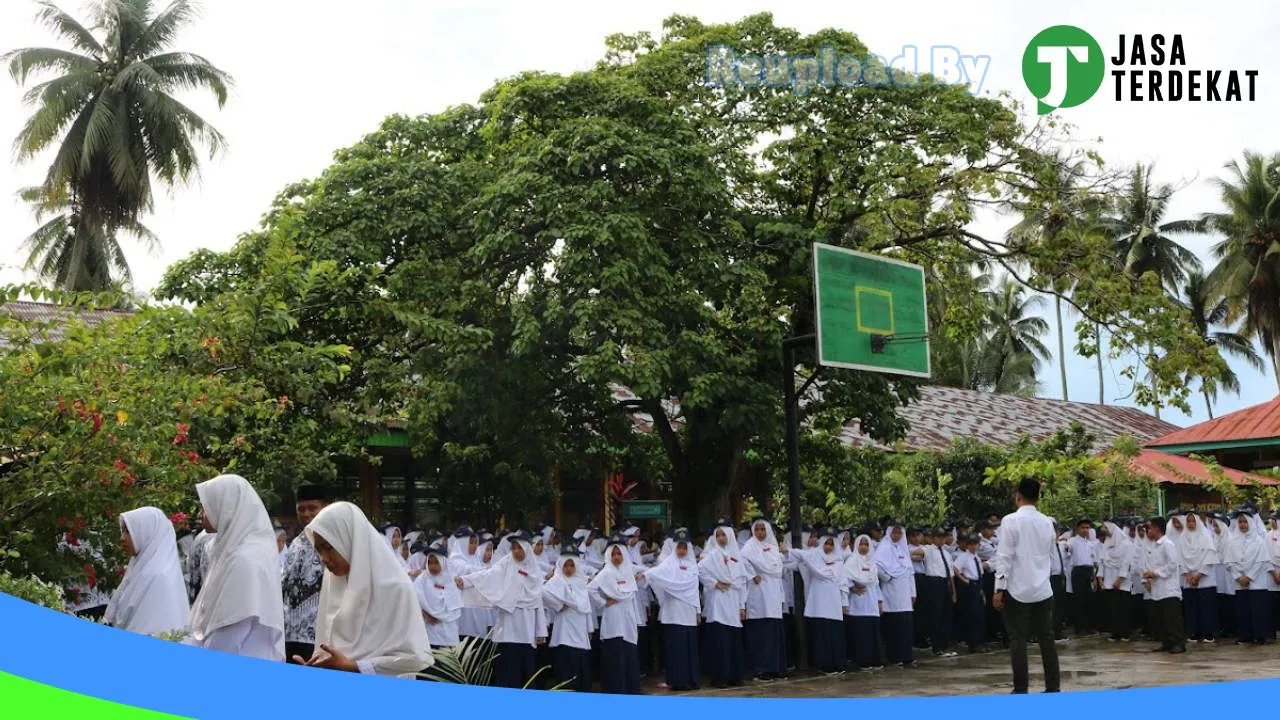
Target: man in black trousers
[1022,565]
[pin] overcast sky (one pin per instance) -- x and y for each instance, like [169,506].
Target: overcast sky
[314,76]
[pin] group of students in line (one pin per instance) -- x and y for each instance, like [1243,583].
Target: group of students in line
[608,611]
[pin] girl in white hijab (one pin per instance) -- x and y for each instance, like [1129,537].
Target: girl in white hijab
[464,559]
[1249,564]
[1115,573]
[898,593]
[440,600]
[724,580]
[1199,557]
[613,591]
[825,598]
[240,608]
[395,541]
[512,586]
[1226,589]
[863,576]
[152,598]
[763,631]
[676,583]
[566,600]
[369,619]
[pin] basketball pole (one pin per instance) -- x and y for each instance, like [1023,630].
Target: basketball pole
[791,407]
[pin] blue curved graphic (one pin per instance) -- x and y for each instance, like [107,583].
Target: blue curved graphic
[99,662]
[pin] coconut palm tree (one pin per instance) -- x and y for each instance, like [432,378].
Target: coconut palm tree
[1207,311]
[1248,269]
[1058,203]
[111,118]
[1013,351]
[1141,237]
[73,256]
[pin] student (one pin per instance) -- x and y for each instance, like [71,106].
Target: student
[464,559]
[864,605]
[1162,576]
[916,542]
[1058,581]
[612,591]
[303,576]
[1116,563]
[512,586]
[369,619]
[395,541]
[676,583]
[565,599]
[824,603]
[987,553]
[1249,562]
[898,592]
[1199,559]
[152,597]
[1023,568]
[764,631]
[941,594]
[1226,588]
[968,589]
[240,609]
[1082,553]
[790,567]
[724,581]
[439,599]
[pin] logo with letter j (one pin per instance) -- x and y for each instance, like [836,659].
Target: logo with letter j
[1063,66]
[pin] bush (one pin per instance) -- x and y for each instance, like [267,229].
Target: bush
[33,590]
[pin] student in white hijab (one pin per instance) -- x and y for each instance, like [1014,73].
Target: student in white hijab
[439,599]
[898,593]
[825,598]
[790,567]
[863,576]
[724,581]
[763,631]
[1226,589]
[240,608]
[643,600]
[395,541]
[566,601]
[369,620]
[613,591]
[676,583]
[512,586]
[1198,553]
[1249,563]
[152,597]
[1116,573]
[415,559]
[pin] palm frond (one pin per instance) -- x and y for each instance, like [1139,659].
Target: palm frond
[68,28]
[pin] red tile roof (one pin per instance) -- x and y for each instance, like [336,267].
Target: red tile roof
[943,414]
[1165,468]
[1259,422]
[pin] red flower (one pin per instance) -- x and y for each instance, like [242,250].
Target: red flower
[179,518]
[97,422]
[183,428]
[179,439]
[92,573]
[129,480]
[121,465]
[62,406]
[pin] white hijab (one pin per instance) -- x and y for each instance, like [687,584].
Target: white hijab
[506,584]
[461,559]
[243,577]
[373,612]
[820,562]
[1196,547]
[398,552]
[1245,549]
[568,592]
[1118,546]
[764,556]
[439,594]
[721,561]
[152,598]
[617,582]
[861,569]
[894,558]
[677,577]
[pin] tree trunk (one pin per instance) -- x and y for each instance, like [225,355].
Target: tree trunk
[1155,390]
[1102,396]
[1275,363]
[1062,347]
[1208,404]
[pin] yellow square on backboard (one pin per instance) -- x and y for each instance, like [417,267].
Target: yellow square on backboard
[858,292]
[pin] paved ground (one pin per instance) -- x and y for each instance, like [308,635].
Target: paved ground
[1088,664]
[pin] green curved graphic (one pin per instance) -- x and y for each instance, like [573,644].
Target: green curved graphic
[27,700]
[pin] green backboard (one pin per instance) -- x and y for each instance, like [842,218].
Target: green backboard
[871,312]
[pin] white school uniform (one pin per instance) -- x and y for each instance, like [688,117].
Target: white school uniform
[897,576]
[617,583]
[861,572]
[721,564]
[825,587]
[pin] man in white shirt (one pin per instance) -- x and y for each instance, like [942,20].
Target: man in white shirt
[1161,575]
[1082,551]
[1023,592]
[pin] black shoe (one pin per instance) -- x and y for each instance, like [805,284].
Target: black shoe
[1018,692]
[1178,650]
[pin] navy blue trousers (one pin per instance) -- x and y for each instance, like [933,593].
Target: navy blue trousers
[619,667]
[898,634]
[683,669]
[826,643]
[571,665]
[1200,606]
[724,654]
[514,665]
[766,642]
[866,641]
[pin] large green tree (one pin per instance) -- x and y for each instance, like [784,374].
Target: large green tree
[1248,269]
[1013,351]
[1209,312]
[111,117]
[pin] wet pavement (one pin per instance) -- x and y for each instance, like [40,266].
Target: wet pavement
[1087,664]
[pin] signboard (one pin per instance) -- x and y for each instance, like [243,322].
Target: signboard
[870,312]
[644,509]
